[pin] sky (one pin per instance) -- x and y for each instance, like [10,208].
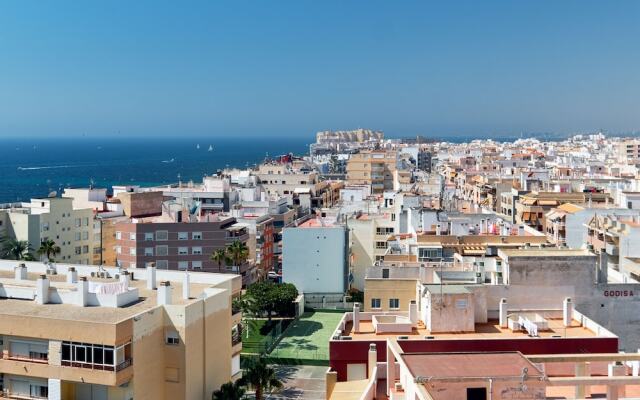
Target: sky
[290,68]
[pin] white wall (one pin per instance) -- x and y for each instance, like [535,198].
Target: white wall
[313,259]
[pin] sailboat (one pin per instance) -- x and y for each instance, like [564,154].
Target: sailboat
[210,148]
[198,146]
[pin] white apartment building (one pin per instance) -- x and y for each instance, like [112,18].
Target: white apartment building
[57,220]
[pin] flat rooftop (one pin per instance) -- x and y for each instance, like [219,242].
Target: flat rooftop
[469,365]
[489,330]
[546,252]
[147,299]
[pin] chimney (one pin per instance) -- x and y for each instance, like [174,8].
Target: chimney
[164,293]
[72,275]
[151,276]
[186,286]
[356,317]
[21,272]
[438,230]
[567,311]
[82,291]
[372,359]
[125,276]
[42,290]
[503,313]
[413,312]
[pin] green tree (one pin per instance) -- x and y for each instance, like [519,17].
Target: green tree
[230,391]
[16,249]
[269,298]
[261,377]
[219,256]
[238,252]
[49,249]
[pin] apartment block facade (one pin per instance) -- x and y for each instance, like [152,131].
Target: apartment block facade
[180,245]
[372,167]
[89,333]
[54,219]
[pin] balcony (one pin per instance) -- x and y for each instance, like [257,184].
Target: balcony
[7,395]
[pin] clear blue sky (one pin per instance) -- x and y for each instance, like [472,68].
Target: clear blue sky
[295,67]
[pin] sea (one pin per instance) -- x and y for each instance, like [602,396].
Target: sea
[34,167]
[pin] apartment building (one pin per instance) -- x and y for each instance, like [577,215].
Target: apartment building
[315,257]
[531,207]
[369,236]
[53,219]
[96,333]
[282,180]
[629,151]
[616,236]
[180,245]
[375,168]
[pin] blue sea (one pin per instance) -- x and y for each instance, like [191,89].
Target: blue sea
[34,167]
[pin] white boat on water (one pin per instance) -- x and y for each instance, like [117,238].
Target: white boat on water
[198,146]
[210,148]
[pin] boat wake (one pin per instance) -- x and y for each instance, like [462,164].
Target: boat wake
[50,167]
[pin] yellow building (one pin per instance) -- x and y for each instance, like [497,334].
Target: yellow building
[373,167]
[101,333]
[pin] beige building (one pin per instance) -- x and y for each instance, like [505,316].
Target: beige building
[57,220]
[373,167]
[89,333]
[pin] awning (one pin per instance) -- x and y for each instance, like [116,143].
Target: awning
[526,216]
[548,202]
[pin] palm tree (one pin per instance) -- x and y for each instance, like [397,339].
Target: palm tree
[16,249]
[261,377]
[238,251]
[49,249]
[219,256]
[229,391]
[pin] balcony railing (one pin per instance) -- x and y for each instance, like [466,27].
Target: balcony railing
[34,358]
[100,367]
[14,396]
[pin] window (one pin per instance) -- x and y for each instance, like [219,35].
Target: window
[162,235]
[629,205]
[118,250]
[132,251]
[385,273]
[375,303]
[196,236]
[148,251]
[196,264]
[87,355]
[384,231]
[162,264]
[394,303]
[85,221]
[425,254]
[85,249]
[162,250]
[132,236]
[78,236]
[183,251]
[78,222]
[148,236]
[78,250]
[379,258]
[381,245]
[29,350]
[196,250]
[173,338]
[118,235]
[183,235]
[85,235]
[183,265]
